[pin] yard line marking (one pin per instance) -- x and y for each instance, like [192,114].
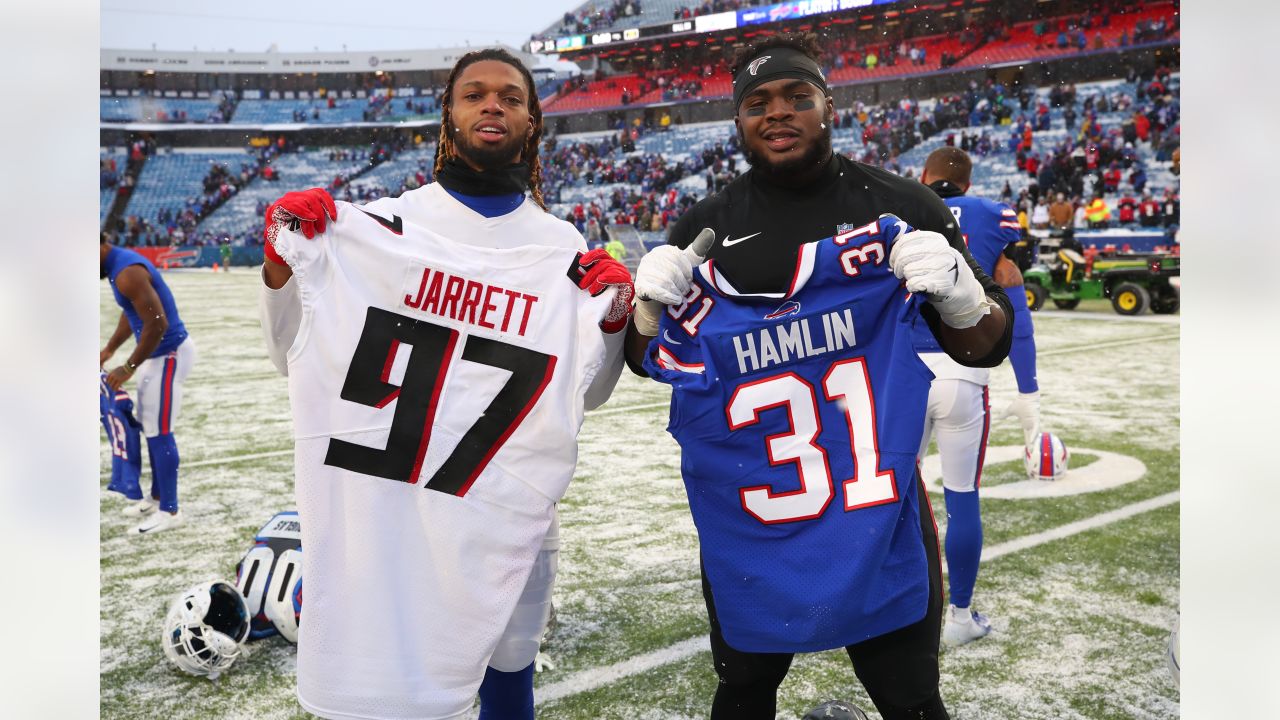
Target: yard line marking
[628,408]
[1079,526]
[277,453]
[221,461]
[1109,344]
[597,677]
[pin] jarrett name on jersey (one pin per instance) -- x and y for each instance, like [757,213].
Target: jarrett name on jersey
[437,390]
[819,387]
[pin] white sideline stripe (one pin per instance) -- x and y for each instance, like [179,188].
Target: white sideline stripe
[221,461]
[597,677]
[278,453]
[1080,526]
[1104,345]
[628,408]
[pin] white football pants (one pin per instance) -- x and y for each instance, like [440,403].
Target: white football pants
[960,412]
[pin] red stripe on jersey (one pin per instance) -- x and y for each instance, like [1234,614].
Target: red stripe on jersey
[986,430]
[166,393]
[431,407]
[386,374]
[511,428]
[668,361]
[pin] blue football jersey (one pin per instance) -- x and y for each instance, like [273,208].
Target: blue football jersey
[988,227]
[118,259]
[124,435]
[799,416]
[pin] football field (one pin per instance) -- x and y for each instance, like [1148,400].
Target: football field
[1079,577]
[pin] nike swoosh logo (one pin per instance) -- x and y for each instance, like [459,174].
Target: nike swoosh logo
[666,335]
[395,224]
[727,243]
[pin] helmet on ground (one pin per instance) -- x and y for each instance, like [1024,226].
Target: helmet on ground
[1046,457]
[206,627]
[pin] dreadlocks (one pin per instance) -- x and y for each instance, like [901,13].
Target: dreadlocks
[446,148]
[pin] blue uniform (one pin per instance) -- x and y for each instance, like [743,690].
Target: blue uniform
[124,435]
[798,417]
[988,227]
[118,259]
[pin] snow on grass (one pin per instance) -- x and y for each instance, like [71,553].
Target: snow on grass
[1080,623]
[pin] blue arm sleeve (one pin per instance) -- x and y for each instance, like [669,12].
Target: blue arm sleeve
[1022,353]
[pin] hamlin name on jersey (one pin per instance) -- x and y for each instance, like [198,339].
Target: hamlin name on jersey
[798,416]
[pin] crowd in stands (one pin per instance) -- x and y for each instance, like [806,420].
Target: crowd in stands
[591,17]
[915,43]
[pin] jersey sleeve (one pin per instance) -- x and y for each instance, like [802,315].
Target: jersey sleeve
[603,383]
[280,311]
[1007,228]
[674,357]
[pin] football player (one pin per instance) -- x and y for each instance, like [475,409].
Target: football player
[161,359]
[959,408]
[440,350]
[796,398]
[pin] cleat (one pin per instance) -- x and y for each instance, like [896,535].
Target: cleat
[157,522]
[145,506]
[964,625]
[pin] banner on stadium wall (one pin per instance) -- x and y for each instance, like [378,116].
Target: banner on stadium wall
[199,256]
[234,62]
[700,24]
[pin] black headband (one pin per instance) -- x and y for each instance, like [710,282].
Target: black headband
[775,63]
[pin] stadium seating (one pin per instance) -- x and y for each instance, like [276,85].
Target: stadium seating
[1022,45]
[107,195]
[1019,47]
[295,171]
[169,179]
[651,12]
[262,112]
[154,109]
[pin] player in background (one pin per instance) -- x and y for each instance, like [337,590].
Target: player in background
[161,359]
[798,194]
[486,161]
[125,438]
[224,252]
[959,406]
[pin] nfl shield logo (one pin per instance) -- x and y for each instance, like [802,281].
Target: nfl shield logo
[844,228]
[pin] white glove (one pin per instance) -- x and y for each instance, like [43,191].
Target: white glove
[929,265]
[542,661]
[1027,409]
[663,278]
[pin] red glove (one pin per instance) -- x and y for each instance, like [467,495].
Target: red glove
[598,271]
[304,211]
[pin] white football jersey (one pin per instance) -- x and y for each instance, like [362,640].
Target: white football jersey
[437,390]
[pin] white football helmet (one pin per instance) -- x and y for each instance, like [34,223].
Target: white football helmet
[1046,457]
[283,605]
[206,627]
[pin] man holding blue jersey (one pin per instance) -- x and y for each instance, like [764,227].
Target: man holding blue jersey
[161,361]
[959,410]
[798,401]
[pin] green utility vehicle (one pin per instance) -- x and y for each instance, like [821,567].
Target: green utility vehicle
[1132,281]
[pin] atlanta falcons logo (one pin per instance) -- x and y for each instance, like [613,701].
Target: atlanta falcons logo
[790,307]
[755,64]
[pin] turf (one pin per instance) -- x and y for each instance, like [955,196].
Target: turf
[1080,620]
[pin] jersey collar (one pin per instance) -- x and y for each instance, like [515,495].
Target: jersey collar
[713,276]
